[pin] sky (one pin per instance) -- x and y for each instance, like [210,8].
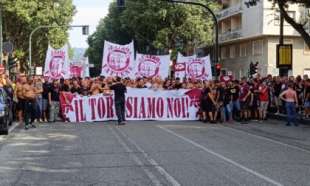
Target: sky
[89,12]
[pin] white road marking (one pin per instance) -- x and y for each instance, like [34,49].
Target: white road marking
[223,157]
[270,140]
[160,169]
[151,176]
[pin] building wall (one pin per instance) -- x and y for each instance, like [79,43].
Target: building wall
[247,51]
[301,54]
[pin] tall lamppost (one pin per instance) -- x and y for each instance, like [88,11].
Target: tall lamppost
[84,27]
[214,20]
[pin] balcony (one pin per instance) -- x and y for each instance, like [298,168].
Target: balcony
[235,9]
[230,35]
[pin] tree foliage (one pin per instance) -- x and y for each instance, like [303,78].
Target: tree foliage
[299,25]
[20,17]
[155,27]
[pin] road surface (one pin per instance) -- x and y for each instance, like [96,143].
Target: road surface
[156,153]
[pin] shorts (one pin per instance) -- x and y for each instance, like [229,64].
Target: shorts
[277,101]
[307,104]
[244,105]
[44,104]
[20,105]
[263,105]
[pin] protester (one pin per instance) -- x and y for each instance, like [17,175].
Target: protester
[29,96]
[291,101]
[249,99]
[119,100]
[53,100]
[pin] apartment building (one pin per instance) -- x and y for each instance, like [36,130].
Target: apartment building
[251,34]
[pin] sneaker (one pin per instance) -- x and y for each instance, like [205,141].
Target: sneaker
[288,124]
[26,127]
[33,126]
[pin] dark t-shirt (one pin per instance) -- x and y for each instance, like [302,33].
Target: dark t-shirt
[76,90]
[84,91]
[307,94]
[65,88]
[119,91]
[46,89]
[220,93]
[244,91]
[54,93]
[235,92]
[277,89]
[227,96]
[178,86]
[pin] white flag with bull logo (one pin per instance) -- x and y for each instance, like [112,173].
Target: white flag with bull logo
[152,66]
[57,64]
[193,67]
[199,68]
[118,60]
[180,66]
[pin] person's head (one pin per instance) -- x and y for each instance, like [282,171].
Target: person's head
[75,83]
[177,80]
[56,83]
[290,85]
[305,77]
[118,79]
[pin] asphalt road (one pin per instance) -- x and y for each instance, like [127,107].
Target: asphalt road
[156,153]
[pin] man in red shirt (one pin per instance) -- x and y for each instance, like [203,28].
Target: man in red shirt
[244,100]
[264,100]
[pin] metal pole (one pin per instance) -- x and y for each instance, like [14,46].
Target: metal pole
[215,24]
[45,26]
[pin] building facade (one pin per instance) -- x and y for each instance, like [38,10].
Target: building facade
[251,34]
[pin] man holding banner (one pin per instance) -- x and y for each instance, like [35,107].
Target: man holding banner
[119,100]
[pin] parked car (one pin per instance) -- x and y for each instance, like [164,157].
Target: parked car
[5,110]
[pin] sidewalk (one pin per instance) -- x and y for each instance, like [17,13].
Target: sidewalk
[283,117]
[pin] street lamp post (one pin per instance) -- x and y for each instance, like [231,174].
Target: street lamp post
[85,29]
[214,20]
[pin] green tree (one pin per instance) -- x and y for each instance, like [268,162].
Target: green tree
[20,17]
[155,27]
[300,25]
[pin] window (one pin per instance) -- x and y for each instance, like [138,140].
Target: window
[306,49]
[243,50]
[258,47]
[249,49]
[292,14]
[232,51]
[224,52]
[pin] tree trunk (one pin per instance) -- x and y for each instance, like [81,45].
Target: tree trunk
[298,27]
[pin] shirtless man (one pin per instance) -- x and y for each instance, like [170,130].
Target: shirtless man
[291,101]
[95,88]
[20,97]
[29,94]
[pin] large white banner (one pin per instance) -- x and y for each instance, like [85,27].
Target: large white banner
[118,60]
[141,104]
[152,66]
[57,64]
[180,66]
[193,68]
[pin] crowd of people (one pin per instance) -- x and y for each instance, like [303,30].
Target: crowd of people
[36,99]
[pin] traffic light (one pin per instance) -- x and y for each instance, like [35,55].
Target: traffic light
[85,30]
[253,69]
[120,3]
[218,68]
